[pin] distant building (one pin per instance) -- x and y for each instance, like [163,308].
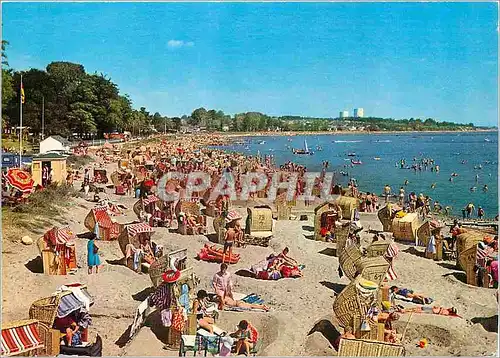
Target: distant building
[54,143]
[358,113]
[344,114]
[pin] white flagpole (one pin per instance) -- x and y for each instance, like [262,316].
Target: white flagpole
[21,125]
[43,117]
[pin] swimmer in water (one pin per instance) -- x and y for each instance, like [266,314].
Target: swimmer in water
[473,189]
[485,188]
[451,179]
[433,185]
[406,182]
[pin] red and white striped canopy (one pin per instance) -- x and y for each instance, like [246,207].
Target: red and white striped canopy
[134,229]
[20,339]
[150,199]
[102,217]
[59,236]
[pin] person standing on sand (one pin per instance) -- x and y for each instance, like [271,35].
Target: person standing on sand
[469,209]
[93,259]
[223,285]
[401,196]
[387,192]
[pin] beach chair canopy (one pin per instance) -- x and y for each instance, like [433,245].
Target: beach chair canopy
[59,236]
[66,300]
[20,337]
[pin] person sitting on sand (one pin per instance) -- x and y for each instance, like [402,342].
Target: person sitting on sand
[390,334]
[405,292]
[202,317]
[287,260]
[149,256]
[244,336]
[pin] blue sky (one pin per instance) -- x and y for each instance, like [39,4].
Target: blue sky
[397,60]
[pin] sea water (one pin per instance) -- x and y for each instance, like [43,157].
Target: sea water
[458,152]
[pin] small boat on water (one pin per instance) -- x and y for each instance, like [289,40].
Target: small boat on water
[487,140]
[262,142]
[356,162]
[304,151]
[376,158]
[351,154]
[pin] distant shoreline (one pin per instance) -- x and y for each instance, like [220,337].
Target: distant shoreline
[292,133]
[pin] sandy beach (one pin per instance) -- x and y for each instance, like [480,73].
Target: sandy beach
[301,317]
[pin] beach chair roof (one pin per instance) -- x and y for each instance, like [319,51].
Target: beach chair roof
[59,236]
[102,217]
[139,228]
[19,337]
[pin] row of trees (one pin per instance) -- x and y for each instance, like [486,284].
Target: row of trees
[78,102]
[72,101]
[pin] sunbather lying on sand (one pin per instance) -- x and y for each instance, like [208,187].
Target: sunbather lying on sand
[416,297]
[435,310]
[230,302]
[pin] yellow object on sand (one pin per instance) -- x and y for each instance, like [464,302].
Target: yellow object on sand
[367,284]
[400,214]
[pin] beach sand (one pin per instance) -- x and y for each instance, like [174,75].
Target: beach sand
[301,316]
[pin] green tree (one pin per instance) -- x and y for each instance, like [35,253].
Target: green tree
[198,117]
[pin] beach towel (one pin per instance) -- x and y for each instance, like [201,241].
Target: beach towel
[431,247]
[140,316]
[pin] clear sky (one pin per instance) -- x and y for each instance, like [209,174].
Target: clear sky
[397,60]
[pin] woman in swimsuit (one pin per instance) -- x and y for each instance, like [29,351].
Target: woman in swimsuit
[199,307]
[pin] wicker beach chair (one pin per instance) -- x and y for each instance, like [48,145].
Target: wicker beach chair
[22,338]
[44,310]
[349,260]
[348,205]
[164,263]
[341,235]
[259,228]
[465,241]
[424,233]
[405,228]
[368,348]
[57,243]
[192,208]
[377,248]
[284,210]
[131,235]
[372,268]
[351,307]
[329,212]
[384,215]
[108,229]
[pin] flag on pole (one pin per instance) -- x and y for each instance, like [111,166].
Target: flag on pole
[22,93]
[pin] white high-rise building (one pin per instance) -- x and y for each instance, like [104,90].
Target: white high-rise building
[343,114]
[358,113]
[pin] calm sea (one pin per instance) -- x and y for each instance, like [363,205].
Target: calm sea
[449,151]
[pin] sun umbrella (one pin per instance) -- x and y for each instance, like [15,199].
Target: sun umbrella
[20,180]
